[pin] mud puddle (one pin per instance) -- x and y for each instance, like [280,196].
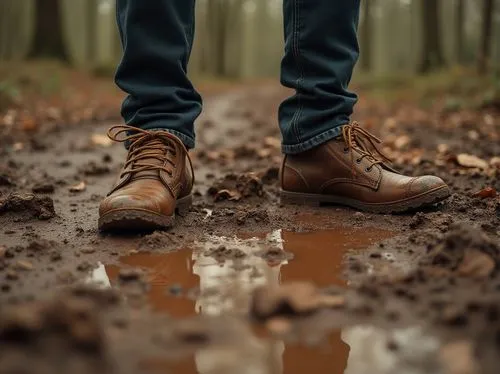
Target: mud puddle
[216,276]
[354,350]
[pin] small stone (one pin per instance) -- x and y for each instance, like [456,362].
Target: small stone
[129,275]
[12,275]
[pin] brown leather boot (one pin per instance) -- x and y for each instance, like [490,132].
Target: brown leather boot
[352,171]
[155,182]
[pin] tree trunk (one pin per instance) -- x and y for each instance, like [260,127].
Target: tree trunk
[366,33]
[459,31]
[432,54]
[91,31]
[48,40]
[484,55]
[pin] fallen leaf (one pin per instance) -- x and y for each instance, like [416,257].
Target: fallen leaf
[272,142]
[24,265]
[488,192]
[443,148]
[476,264]
[495,162]
[458,358]
[101,140]
[28,123]
[80,187]
[471,161]
[279,326]
[227,195]
[402,141]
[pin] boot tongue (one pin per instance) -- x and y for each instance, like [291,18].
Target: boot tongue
[153,152]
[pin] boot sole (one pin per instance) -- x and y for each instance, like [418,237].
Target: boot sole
[426,199]
[142,220]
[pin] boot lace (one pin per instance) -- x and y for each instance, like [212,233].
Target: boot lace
[145,146]
[367,144]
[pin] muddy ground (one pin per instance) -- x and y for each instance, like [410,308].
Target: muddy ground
[360,293]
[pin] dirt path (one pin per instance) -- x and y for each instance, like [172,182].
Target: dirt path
[413,293]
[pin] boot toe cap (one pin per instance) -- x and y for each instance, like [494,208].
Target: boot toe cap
[427,183]
[122,201]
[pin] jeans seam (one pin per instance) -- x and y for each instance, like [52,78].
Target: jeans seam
[295,49]
[301,72]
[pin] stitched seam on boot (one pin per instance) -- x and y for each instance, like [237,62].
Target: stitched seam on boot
[298,174]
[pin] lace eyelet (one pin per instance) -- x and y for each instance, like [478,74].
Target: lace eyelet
[358,161]
[346,150]
[368,169]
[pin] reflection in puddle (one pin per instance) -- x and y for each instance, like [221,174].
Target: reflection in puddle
[226,270]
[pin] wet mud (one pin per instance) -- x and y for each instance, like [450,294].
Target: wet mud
[243,284]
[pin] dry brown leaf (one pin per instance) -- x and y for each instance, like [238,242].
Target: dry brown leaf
[279,326]
[272,142]
[79,187]
[101,140]
[28,123]
[443,148]
[402,141]
[476,264]
[471,161]
[495,162]
[227,195]
[24,265]
[488,192]
[458,358]
[18,146]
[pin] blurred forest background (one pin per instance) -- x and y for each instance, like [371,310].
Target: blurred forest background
[244,38]
[57,57]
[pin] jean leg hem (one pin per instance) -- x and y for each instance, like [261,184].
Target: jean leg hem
[313,142]
[188,141]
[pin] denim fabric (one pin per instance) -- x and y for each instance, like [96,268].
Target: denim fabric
[157,37]
[321,49]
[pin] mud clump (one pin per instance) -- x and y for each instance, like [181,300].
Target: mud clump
[40,245]
[43,188]
[291,300]
[466,250]
[31,206]
[69,326]
[275,255]
[223,253]
[94,169]
[235,187]
[158,239]
[253,215]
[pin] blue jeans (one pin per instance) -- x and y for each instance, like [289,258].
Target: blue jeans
[321,49]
